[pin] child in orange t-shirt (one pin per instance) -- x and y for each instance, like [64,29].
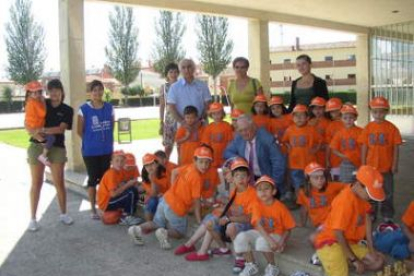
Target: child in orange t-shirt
[217,134]
[171,216]
[408,228]
[345,145]
[188,136]
[380,141]
[279,121]
[317,195]
[163,160]
[234,115]
[320,122]
[348,222]
[154,182]
[260,111]
[131,168]
[333,107]
[35,117]
[272,223]
[114,193]
[302,142]
[235,219]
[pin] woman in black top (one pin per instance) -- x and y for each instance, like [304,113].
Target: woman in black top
[308,86]
[59,117]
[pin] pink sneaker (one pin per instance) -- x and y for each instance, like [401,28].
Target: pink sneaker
[194,257]
[182,249]
[43,159]
[219,252]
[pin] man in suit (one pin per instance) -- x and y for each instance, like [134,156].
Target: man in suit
[260,149]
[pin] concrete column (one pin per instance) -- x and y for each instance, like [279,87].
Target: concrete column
[363,78]
[72,70]
[259,57]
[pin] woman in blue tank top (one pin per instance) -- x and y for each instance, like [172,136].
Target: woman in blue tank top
[96,128]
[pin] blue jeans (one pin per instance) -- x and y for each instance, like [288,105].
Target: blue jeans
[127,201]
[166,218]
[151,205]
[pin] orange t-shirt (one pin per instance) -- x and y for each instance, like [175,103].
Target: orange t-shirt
[348,214]
[278,126]
[244,201]
[131,173]
[187,148]
[163,184]
[211,180]
[109,182]
[320,125]
[331,130]
[408,217]
[261,120]
[218,135]
[380,139]
[301,141]
[35,113]
[185,189]
[346,142]
[274,218]
[318,203]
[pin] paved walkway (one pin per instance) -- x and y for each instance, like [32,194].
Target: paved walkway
[90,248]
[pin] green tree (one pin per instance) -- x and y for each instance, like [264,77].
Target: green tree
[123,47]
[169,29]
[24,44]
[213,45]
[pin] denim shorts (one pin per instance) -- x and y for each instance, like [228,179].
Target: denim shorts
[151,205]
[240,227]
[298,178]
[166,218]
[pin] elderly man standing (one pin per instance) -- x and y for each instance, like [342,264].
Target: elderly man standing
[188,91]
[259,148]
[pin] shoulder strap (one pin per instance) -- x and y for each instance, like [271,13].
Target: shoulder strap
[228,205]
[254,86]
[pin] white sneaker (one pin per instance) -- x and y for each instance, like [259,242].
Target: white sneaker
[272,270]
[33,226]
[65,219]
[250,269]
[135,232]
[162,236]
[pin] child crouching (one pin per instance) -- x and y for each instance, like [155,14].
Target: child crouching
[272,222]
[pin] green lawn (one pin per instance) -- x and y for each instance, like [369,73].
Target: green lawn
[141,129]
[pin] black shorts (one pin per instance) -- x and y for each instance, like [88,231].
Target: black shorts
[96,166]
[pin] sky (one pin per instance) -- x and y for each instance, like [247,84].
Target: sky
[97,25]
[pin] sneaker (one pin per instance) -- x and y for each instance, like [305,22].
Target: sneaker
[195,257]
[33,226]
[250,269]
[65,219]
[135,232]
[272,270]
[220,252]
[315,260]
[238,266]
[130,220]
[43,159]
[162,236]
[182,249]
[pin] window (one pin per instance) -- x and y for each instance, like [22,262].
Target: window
[328,58]
[351,76]
[287,78]
[352,57]
[286,60]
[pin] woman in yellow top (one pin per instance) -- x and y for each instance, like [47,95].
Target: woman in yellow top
[243,89]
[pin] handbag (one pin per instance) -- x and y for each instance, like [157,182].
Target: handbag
[224,227]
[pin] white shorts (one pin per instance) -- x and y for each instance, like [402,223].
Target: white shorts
[252,240]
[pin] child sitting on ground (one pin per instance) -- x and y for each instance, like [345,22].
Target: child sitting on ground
[154,182]
[218,133]
[131,168]
[380,141]
[408,228]
[260,111]
[35,116]
[272,222]
[163,160]
[188,136]
[348,223]
[345,145]
[115,194]
[171,217]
